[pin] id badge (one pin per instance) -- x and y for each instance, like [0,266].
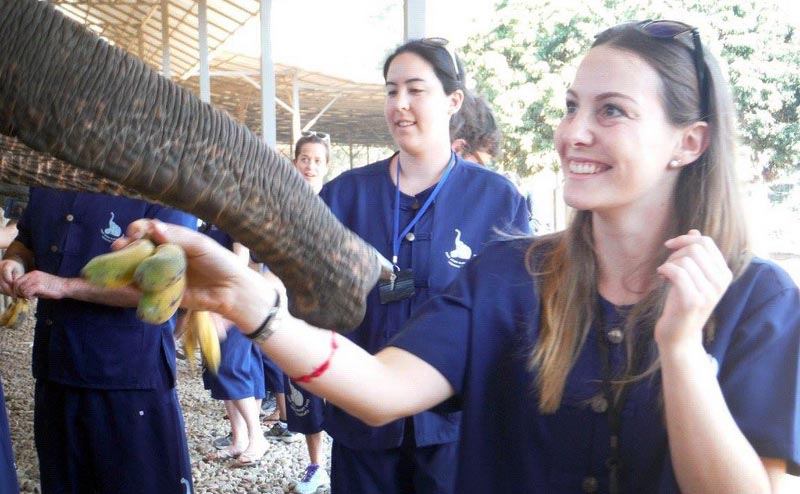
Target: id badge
[400,288]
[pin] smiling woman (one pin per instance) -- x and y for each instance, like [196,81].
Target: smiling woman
[644,349]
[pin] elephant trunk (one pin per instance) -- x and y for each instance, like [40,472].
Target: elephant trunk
[69,94]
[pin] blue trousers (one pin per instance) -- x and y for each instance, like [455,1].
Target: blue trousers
[93,441]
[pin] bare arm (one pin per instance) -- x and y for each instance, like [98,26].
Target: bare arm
[45,285]
[376,389]
[709,452]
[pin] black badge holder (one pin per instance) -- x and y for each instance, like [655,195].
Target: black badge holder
[399,287]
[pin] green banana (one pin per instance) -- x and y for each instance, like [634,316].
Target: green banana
[157,307]
[116,269]
[161,269]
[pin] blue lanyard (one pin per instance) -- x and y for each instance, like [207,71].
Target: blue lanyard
[396,239]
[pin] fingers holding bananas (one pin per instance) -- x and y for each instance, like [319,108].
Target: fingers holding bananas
[161,270]
[15,313]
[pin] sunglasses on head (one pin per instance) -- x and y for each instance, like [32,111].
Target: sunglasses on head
[666,29]
[312,133]
[443,43]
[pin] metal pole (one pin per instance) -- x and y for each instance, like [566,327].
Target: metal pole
[414,19]
[202,34]
[165,68]
[268,116]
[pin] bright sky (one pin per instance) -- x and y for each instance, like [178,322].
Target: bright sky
[351,38]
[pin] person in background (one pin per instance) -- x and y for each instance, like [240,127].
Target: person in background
[474,134]
[476,137]
[239,381]
[304,410]
[106,414]
[429,212]
[644,349]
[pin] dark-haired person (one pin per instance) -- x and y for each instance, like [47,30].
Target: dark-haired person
[106,412]
[304,410]
[642,350]
[429,212]
[474,133]
[238,382]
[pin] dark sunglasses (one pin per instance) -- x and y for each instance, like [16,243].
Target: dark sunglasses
[443,43]
[312,133]
[665,29]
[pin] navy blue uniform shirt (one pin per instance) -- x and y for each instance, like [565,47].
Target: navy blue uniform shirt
[472,207]
[79,343]
[479,336]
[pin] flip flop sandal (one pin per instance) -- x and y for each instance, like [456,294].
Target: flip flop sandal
[247,460]
[221,455]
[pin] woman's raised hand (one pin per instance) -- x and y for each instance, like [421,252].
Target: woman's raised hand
[697,277]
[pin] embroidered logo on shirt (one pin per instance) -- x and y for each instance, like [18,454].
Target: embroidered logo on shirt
[460,254]
[112,231]
[299,404]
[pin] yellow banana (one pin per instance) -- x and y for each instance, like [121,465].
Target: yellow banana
[157,307]
[190,340]
[206,333]
[161,269]
[116,269]
[6,315]
[11,317]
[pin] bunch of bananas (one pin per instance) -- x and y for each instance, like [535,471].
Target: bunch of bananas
[200,329]
[15,313]
[160,273]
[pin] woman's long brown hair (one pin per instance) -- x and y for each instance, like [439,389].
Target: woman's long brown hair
[706,197]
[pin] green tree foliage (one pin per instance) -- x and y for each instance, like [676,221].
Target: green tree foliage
[524,65]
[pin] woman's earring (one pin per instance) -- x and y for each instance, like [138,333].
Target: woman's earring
[674,163]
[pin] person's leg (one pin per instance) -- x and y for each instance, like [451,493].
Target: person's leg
[240,439]
[314,442]
[305,414]
[247,412]
[136,442]
[280,431]
[62,467]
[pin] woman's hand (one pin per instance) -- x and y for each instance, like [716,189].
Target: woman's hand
[217,279]
[697,276]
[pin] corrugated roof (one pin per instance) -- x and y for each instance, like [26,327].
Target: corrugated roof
[355,117]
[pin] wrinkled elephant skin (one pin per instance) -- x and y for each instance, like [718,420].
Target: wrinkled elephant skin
[81,103]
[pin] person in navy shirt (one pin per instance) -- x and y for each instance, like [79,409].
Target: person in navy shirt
[106,414]
[304,410]
[642,350]
[429,212]
[239,381]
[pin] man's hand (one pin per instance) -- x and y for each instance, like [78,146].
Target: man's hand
[10,271]
[42,285]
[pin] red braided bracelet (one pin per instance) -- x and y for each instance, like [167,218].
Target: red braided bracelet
[322,368]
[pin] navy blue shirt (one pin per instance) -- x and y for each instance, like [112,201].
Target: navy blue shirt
[84,344]
[479,336]
[473,206]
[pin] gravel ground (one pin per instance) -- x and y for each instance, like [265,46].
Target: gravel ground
[204,418]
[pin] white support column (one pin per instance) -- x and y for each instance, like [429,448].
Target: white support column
[295,110]
[165,61]
[268,127]
[202,35]
[415,25]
